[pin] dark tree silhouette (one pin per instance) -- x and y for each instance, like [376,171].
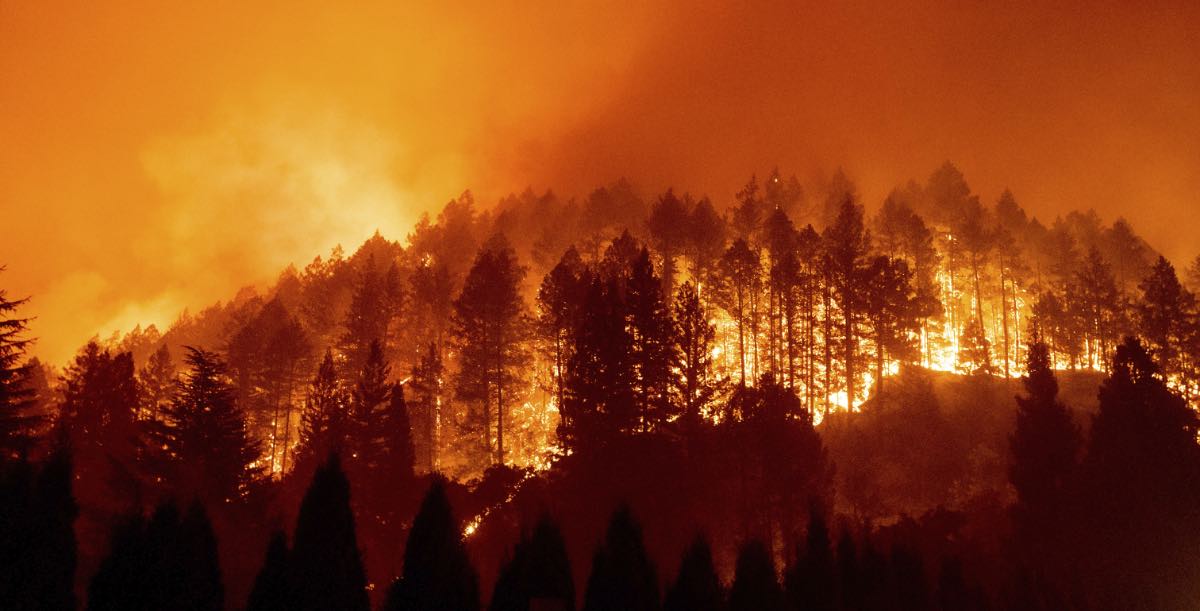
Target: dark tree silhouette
[1163,315]
[622,577]
[166,562]
[376,301]
[1045,447]
[16,398]
[325,563]
[652,346]
[273,587]
[667,223]
[156,381]
[694,335]
[538,575]
[438,575]
[740,278]
[1141,478]
[37,536]
[268,358]
[755,586]
[847,243]
[368,403]
[206,448]
[811,582]
[325,422]
[558,302]
[599,378]
[425,409]
[697,586]
[490,333]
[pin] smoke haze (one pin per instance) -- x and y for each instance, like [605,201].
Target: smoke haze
[157,158]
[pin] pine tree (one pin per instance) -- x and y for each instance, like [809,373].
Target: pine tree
[371,311]
[622,577]
[368,399]
[694,337]
[559,300]
[697,587]
[893,313]
[741,276]
[755,587]
[273,589]
[167,562]
[668,229]
[653,349]
[207,449]
[538,574]
[437,572]
[705,240]
[268,357]
[599,378]
[847,243]
[1099,306]
[1162,315]
[37,535]
[975,351]
[811,580]
[16,424]
[97,416]
[1044,447]
[426,407]
[489,324]
[1140,479]
[156,380]
[325,423]
[325,563]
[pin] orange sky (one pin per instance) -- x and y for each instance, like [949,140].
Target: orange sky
[154,157]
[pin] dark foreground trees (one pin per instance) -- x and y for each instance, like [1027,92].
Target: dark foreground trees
[438,575]
[168,561]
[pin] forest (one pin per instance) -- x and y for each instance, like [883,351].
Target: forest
[790,400]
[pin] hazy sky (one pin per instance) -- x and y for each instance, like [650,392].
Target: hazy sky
[154,157]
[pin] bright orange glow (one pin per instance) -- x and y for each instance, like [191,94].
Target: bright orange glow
[158,156]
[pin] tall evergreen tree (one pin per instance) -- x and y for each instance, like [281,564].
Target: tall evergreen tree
[847,243]
[368,403]
[438,575]
[1140,478]
[1045,447]
[16,423]
[1162,316]
[741,277]
[490,334]
[694,336]
[273,589]
[893,313]
[623,577]
[811,580]
[325,422]
[653,349]
[156,381]
[599,378]
[538,575]
[755,586]
[667,223]
[166,562]
[207,449]
[374,304]
[426,406]
[697,587]
[1099,306]
[559,300]
[325,563]
[37,535]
